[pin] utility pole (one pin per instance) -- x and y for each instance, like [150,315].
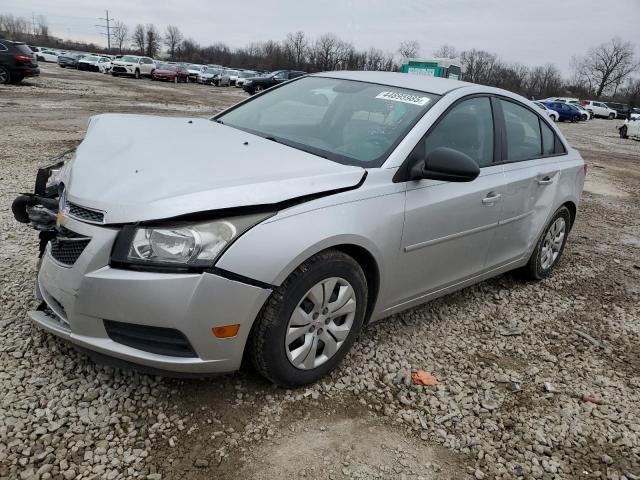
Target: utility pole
[108,27]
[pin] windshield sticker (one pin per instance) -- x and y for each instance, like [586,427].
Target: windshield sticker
[403,97]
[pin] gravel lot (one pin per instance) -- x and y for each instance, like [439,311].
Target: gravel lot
[507,406]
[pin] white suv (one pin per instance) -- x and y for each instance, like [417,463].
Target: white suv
[598,109]
[133,65]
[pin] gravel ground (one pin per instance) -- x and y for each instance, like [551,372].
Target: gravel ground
[513,359]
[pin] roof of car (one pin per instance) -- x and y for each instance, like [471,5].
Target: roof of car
[436,85]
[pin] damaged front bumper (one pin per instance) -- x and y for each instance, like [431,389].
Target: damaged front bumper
[161,321]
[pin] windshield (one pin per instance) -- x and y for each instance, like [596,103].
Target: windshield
[350,122]
[213,70]
[194,67]
[90,58]
[246,74]
[129,58]
[166,66]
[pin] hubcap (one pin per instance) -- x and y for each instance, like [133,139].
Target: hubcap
[3,76]
[320,323]
[552,243]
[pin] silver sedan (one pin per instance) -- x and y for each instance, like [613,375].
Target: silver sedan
[282,226]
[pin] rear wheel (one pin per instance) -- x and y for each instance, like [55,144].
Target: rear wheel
[5,76]
[311,321]
[137,74]
[550,246]
[175,79]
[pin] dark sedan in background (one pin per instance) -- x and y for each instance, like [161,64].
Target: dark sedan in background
[17,61]
[70,60]
[258,84]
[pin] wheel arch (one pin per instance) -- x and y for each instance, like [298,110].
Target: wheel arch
[573,211]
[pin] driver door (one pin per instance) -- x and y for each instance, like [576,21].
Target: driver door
[449,226]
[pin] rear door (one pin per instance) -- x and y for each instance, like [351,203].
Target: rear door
[448,225]
[532,159]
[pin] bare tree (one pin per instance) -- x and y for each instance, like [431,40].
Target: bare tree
[153,40]
[296,45]
[606,67]
[139,39]
[409,49]
[325,51]
[446,51]
[172,38]
[120,34]
[479,66]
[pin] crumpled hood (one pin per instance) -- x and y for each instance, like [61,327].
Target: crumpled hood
[138,168]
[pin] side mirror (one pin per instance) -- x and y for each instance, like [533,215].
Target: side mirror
[445,164]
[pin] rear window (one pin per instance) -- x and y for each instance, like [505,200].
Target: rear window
[23,48]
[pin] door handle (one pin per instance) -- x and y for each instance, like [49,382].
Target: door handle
[546,180]
[491,198]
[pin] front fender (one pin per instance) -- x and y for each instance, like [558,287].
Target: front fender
[271,251]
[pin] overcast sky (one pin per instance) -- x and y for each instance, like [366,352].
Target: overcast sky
[531,32]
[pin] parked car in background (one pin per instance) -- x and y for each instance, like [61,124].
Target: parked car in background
[70,60]
[552,113]
[233,75]
[194,70]
[171,73]
[133,65]
[258,84]
[565,111]
[243,75]
[294,219]
[47,56]
[562,99]
[94,63]
[17,61]
[214,76]
[586,115]
[599,109]
[622,109]
[631,127]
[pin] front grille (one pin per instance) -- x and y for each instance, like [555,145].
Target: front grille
[66,250]
[85,214]
[160,340]
[119,69]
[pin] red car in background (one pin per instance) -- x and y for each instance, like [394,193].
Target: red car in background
[171,73]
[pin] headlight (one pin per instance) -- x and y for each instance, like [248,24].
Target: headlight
[185,245]
[248,82]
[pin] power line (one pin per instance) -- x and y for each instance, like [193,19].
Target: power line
[108,27]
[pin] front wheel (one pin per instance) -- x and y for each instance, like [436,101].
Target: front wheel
[258,89]
[550,246]
[623,132]
[310,322]
[137,74]
[612,116]
[175,79]
[5,76]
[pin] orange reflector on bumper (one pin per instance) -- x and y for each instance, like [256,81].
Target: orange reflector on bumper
[226,331]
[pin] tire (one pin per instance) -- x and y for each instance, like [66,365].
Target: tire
[611,116]
[258,89]
[575,119]
[5,76]
[623,132]
[16,79]
[537,268]
[137,74]
[175,79]
[270,354]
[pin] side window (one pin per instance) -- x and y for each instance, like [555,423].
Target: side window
[467,127]
[523,132]
[548,139]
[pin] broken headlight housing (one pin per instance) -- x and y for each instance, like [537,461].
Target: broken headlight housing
[180,245]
